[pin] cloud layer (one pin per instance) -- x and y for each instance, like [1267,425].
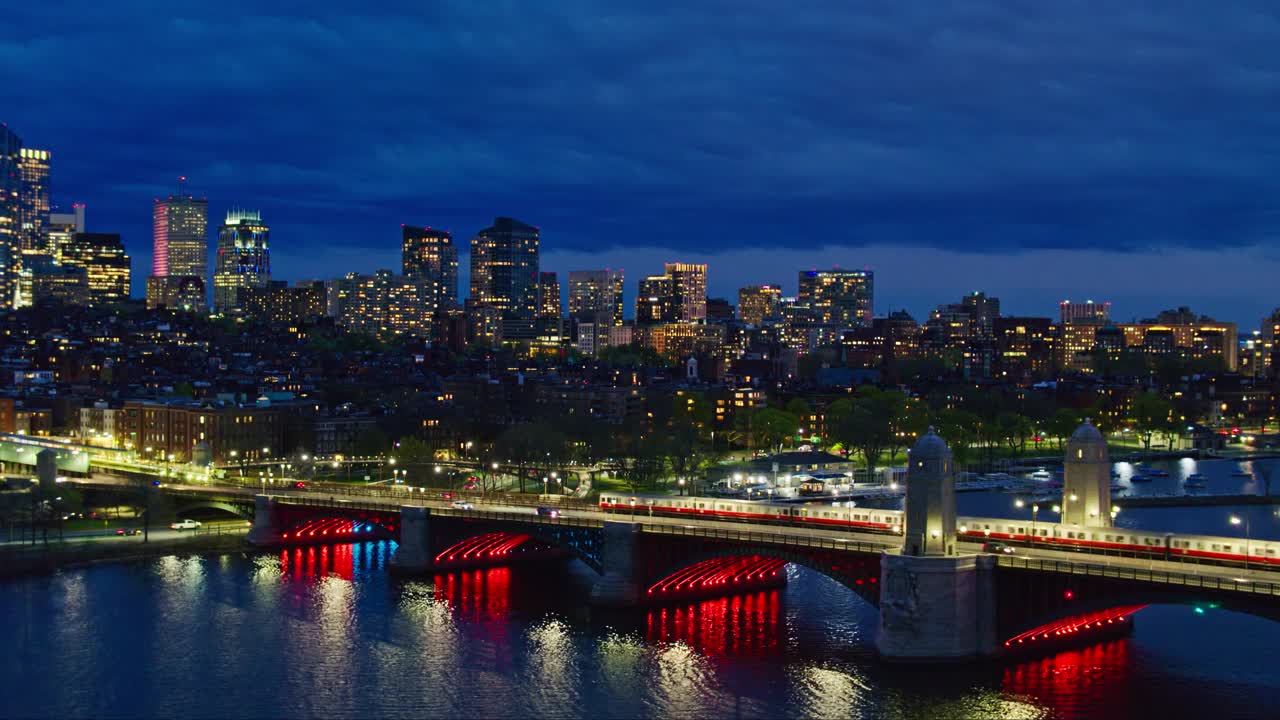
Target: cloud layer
[989,128]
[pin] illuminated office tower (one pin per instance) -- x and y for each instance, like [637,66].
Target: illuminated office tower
[689,287]
[757,302]
[504,274]
[1085,313]
[33,200]
[243,260]
[10,186]
[62,226]
[596,295]
[839,298]
[656,301]
[549,307]
[431,256]
[180,229]
[102,258]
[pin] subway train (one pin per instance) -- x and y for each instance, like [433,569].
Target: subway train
[1158,545]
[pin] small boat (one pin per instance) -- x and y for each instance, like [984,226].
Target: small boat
[1189,483]
[1140,478]
[1194,477]
[1041,474]
[1158,473]
[1241,473]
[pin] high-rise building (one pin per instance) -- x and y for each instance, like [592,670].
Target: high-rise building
[187,293]
[41,280]
[656,301]
[102,258]
[596,294]
[281,304]
[384,304]
[549,305]
[504,274]
[757,302]
[180,229]
[839,298]
[985,311]
[243,260]
[431,256]
[33,200]
[10,189]
[689,283]
[1085,313]
[62,226]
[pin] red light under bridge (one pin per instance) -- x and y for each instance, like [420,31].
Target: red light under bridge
[719,576]
[484,549]
[326,528]
[1076,628]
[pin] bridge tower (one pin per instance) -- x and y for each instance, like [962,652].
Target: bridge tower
[1086,485]
[936,604]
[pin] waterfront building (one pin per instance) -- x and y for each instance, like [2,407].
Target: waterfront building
[243,258]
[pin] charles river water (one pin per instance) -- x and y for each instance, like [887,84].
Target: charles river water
[329,632]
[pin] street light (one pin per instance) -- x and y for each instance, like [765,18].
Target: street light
[1235,520]
[680,482]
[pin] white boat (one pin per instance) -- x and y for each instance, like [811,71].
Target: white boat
[1041,474]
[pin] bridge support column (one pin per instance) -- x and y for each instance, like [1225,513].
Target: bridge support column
[936,608]
[266,530]
[414,554]
[618,587]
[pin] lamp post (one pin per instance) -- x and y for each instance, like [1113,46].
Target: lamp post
[544,486]
[680,482]
[1235,520]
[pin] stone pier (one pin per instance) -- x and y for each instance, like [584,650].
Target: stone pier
[266,529]
[618,587]
[414,553]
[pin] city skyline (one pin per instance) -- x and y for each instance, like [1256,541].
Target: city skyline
[1080,144]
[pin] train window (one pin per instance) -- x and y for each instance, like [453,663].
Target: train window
[701,506]
[1271,552]
[1216,547]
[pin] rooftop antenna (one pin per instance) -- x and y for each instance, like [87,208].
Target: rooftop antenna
[182,184]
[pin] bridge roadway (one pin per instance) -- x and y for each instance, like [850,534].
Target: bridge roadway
[1253,581]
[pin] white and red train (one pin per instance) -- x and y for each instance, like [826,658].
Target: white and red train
[1200,548]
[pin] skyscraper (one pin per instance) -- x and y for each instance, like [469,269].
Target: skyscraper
[985,311]
[757,302]
[102,258]
[596,295]
[839,298]
[180,228]
[244,258]
[656,301]
[62,226]
[504,274]
[10,187]
[431,256]
[33,200]
[689,282]
[549,307]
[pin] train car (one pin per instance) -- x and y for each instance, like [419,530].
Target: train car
[1157,545]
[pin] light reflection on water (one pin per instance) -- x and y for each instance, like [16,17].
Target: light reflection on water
[328,632]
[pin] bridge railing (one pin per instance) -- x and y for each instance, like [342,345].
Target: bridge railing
[405,492]
[1209,582]
[498,515]
[774,540]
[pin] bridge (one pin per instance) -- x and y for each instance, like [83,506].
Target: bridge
[939,596]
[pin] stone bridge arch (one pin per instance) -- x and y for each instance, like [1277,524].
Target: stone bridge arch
[239,510]
[858,572]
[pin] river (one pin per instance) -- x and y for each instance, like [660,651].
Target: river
[329,632]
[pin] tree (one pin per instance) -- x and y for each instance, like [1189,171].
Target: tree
[370,442]
[958,428]
[1063,423]
[1015,430]
[1150,414]
[801,410]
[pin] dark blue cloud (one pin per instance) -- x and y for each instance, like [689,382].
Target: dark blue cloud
[991,126]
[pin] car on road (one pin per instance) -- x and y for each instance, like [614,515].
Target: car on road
[998,548]
[548,512]
[184,525]
[462,505]
[128,531]
[300,485]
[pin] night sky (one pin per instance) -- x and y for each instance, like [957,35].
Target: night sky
[1122,151]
